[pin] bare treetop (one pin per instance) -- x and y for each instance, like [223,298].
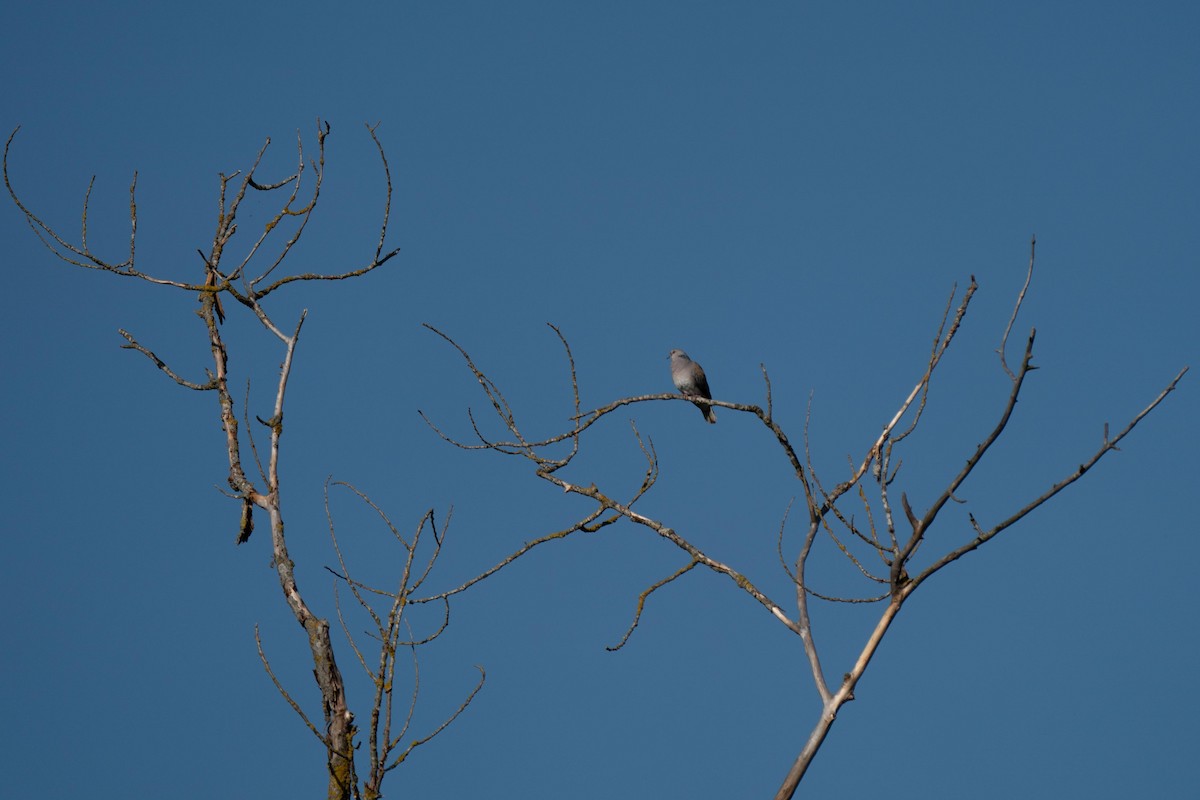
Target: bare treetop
[881,544]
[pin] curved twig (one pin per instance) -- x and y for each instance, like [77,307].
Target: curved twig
[641,603]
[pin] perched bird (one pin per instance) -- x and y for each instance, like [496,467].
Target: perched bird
[689,379]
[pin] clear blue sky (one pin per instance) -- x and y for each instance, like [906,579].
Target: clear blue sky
[796,184]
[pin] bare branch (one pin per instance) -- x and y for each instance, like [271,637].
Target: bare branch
[293,214]
[1016,309]
[304,213]
[81,255]
[158,362]
[279,686]
[923,524]
[641,603]
[848,600]
[337,604]
[381,514]
[1106,447]
[387,203]
[587,524]
[418,742]
[770,402]
[262,473]
[804,621]
[740,580]
[895,554]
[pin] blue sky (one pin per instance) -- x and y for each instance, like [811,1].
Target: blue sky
[795,184]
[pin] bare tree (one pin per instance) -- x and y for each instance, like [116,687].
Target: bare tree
[883,549]
[247,280]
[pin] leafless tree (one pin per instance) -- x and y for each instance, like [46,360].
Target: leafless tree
[882,549]
[247,280]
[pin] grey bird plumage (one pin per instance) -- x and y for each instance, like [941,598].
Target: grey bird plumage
[690,380]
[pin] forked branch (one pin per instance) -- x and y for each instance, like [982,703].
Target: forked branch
[298,196]
[892,534]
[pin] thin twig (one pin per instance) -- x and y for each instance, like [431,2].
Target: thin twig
[641,603]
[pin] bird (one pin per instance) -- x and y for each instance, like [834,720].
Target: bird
[690,380]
